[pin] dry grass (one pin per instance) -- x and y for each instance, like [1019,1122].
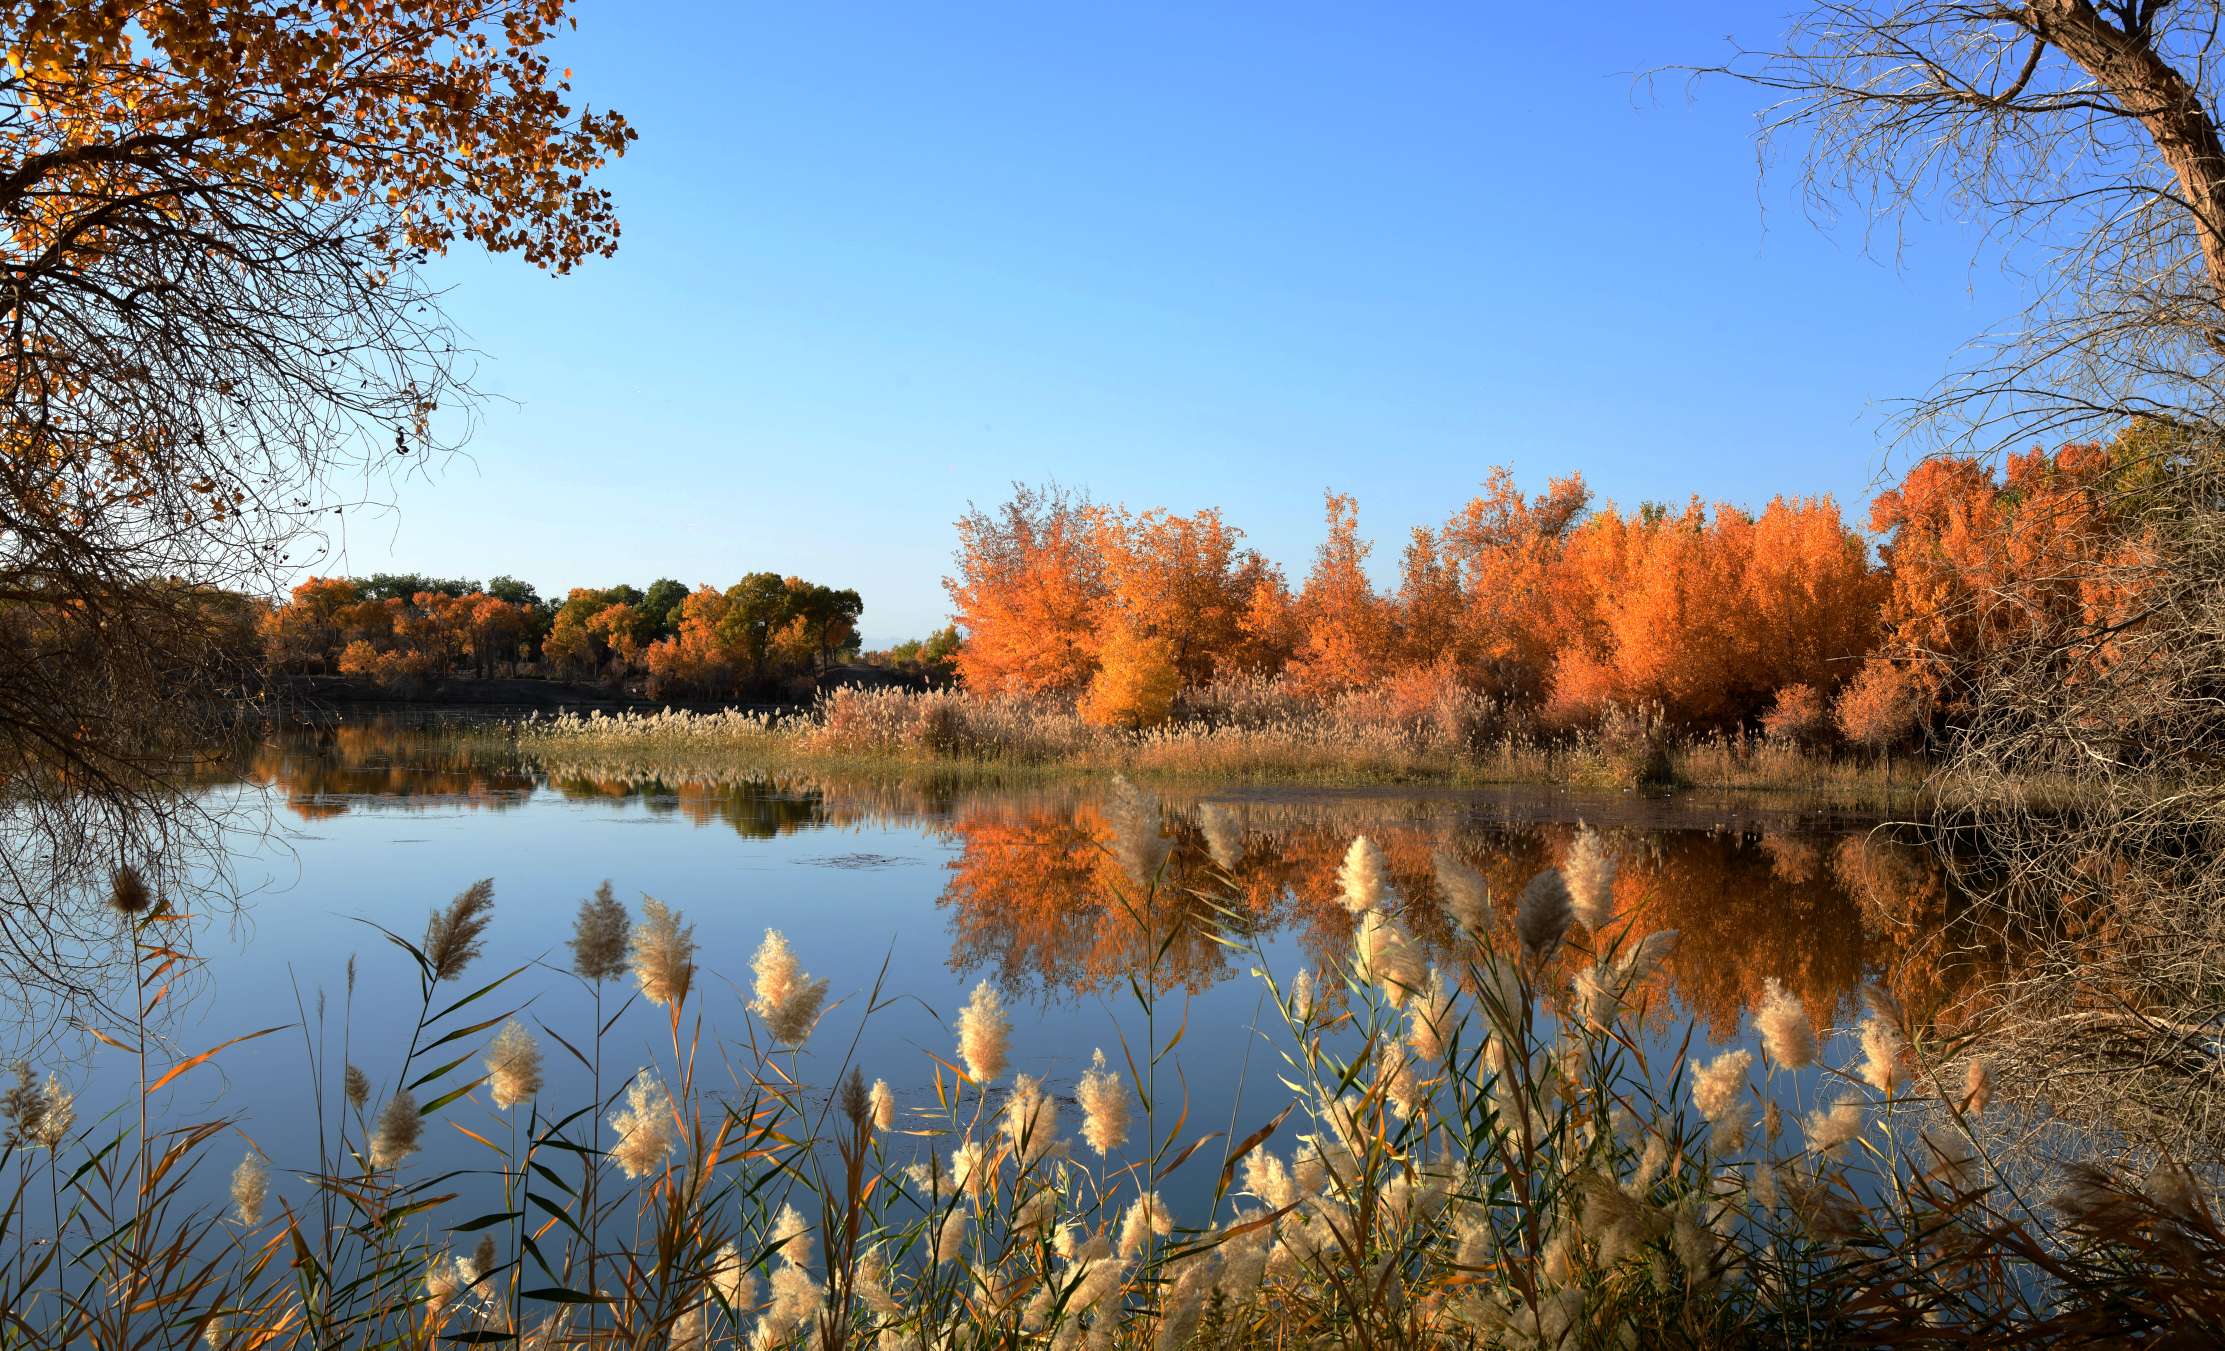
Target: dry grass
[1481,1151]
[1360,739]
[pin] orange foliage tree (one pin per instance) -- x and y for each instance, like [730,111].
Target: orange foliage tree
[1345,631]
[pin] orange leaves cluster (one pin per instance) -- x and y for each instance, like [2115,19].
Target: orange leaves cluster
[1050,583]
[1528,600]
[442,114]
[1708,615]
[330,625]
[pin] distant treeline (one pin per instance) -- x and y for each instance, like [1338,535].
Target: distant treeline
[764,631]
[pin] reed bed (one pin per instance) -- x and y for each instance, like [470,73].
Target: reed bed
[1261,739]
[1478,1152]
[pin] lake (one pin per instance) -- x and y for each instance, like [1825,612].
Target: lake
[927,888]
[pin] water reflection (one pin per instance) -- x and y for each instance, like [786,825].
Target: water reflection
[1035,898]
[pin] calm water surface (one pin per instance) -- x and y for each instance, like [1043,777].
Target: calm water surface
[928,890]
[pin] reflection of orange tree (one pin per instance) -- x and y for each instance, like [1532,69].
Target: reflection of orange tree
[1036,896]
[1931,964]
[1741,916]
[1042,898]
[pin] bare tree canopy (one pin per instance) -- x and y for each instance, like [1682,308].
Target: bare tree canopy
[211,223]
[2081,139]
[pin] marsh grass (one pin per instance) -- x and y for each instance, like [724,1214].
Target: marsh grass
[1359,740]
[1487,1149]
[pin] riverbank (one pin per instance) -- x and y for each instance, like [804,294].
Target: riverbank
[956,735]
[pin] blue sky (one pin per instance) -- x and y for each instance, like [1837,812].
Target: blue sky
[881,261]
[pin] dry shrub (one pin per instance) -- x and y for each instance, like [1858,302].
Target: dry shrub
[1798,716]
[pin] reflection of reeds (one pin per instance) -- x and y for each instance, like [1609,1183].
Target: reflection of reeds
[1442,1157]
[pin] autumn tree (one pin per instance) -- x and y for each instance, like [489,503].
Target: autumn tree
[216,220]
[1028,592]
[1136,680]
[1502,552]
[1345,634]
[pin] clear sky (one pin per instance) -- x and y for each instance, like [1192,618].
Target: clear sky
[883,260]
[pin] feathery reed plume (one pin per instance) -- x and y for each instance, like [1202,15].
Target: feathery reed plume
[1541,915]
[884,1105]
[950,1234]
[663,954]
[787,998]
[22,1105]
[482,1258]
[357,1086]
[1589,871]
[1830,1129]
[1139,840]
[398,1131]
[57,1114]
[1147,1215]
[1786,1033]
[984,1034]
[250,1188]
[1224,835]
[1387,957]
[1717,1088]
[733,1282]
[445,1279]
[1430,1017]
[691,1331]
[1954,1162]
[1467,897]
[1103,1096]
[513,1065]
[794,1298]
[1977,1086]
[455,936]
[1882,1049]
[2093,1200]
[1303,1002]
[601,936]
[644,1126]
[857,1104]
[2175,1192]
[790,1236]
[1364,878]
[128,893]
[1030,1121]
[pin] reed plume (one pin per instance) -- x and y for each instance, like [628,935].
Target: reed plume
[128,893]
[1139,841]
[513,1065]
[1541,915]
[1589,871]
[1717,1089]
[1364,878]
[1387,957]
[399,1130]
[883,1103]
[663,954]
[357,1086]
[646,1133]
[1786,1033]
[1467,897]
[1146,1217]
[786,997]
[984,1034]
[601,936]
[250,1188]
[455,936]
[1830,1129]
[1224,835]
[1103,1096]
[57,1114]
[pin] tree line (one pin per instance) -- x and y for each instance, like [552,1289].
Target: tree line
[410,629]
[1785,621]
